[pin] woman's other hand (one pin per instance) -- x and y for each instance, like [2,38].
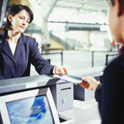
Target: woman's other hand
[89,83]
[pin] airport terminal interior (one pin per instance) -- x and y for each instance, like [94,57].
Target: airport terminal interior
[70,33]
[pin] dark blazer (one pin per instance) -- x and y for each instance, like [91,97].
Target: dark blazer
[110,95]
[18,65]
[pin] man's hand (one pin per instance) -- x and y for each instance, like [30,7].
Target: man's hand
[89,83]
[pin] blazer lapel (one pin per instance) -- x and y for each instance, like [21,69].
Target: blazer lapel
[6,49]
[19,47]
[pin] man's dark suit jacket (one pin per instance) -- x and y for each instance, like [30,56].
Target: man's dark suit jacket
[110,95]
[18,65]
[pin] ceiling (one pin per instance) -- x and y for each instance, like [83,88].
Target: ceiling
[80,5]
[78,11]
[68,8]
[69,11]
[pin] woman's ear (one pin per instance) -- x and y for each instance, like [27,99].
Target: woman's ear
[10,17]
[119,8]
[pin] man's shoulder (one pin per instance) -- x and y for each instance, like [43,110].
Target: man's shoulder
[116,65]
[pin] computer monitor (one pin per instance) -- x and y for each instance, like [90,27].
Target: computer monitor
[29,107]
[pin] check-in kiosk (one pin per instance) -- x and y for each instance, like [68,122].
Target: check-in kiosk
[33,106]
[63,92]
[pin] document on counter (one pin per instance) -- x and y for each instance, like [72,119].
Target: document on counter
[70,78]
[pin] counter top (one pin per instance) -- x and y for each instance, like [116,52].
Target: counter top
[22,83]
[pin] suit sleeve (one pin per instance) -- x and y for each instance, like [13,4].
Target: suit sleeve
[98,93]
[1,77]
[42,66]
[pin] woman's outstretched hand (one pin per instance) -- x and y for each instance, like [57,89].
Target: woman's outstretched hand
[60,70]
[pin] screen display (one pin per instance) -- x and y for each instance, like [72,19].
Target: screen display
[33,110]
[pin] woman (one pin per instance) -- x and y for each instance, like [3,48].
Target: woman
[110,93]
[19,51]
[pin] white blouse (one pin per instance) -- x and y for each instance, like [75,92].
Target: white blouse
[12,47]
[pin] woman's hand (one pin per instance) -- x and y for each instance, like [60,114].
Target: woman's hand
[89,83]
[60,70]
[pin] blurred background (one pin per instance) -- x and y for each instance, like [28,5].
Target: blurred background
[77,27]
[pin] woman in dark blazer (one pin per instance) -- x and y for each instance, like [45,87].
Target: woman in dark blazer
[17,51]
[110,92]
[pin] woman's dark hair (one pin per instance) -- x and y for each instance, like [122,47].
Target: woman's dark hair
[121,1]
[15,10]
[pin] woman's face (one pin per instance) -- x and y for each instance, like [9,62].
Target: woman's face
[20,21]
[115,23]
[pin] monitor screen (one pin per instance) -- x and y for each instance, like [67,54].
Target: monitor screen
[29,107]
[33,110]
